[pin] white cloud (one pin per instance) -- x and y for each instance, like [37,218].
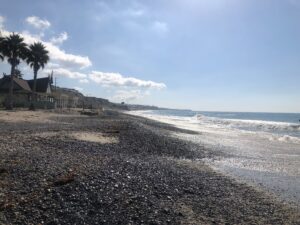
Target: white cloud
[116,79]
[66,59]
[160,27]
[32,37]
[60,38]
[2,20]
[84,81]
[52,65]
[66,73]
[128,95]
[37,22]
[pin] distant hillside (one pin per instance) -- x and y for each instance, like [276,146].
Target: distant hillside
[142,107]
[94,102]
[85,101]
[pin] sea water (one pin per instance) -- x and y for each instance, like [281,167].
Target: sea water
[259,148]
[276,123]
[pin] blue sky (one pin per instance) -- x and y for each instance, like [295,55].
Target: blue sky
[222,55]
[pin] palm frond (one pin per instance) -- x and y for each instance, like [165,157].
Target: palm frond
[13,47]
[38,56]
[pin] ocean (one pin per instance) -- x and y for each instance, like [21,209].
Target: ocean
[259,148]
[276,123]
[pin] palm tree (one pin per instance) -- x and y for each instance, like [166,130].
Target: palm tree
[18,74]
[14,49]
[37,58]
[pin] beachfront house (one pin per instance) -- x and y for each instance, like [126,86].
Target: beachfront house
[23,93]
[43,88]
[20,85]
[21,89]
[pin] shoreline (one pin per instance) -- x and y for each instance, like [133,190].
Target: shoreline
[119,169]
[257,158]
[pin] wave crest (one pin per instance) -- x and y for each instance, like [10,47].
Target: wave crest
[253,125]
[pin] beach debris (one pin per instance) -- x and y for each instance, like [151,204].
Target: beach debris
[63,180]
[112,131]
[89,113]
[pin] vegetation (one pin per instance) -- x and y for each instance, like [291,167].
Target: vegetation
[37,58]
[14,49]
[18,74]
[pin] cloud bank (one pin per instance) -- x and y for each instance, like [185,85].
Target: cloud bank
[116,79]
[66,73]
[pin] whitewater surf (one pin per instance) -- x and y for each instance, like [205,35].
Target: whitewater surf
[262,149]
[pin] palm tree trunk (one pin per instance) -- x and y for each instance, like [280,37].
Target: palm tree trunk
[34,79]
[34,84]
[34,96]
[9,106]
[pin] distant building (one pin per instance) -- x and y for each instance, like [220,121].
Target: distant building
[67,98]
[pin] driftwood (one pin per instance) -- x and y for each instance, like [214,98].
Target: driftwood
[89,113]
[64,180]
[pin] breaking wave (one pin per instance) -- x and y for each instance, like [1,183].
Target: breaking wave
[284,132]
[251,125]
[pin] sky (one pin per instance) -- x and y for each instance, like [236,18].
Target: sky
[209,55]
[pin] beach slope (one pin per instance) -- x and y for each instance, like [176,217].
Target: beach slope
[117,169]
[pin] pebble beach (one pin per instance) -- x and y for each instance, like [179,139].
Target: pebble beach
[113,168]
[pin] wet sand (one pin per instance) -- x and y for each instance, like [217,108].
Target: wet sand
[274,168]
[260,159]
